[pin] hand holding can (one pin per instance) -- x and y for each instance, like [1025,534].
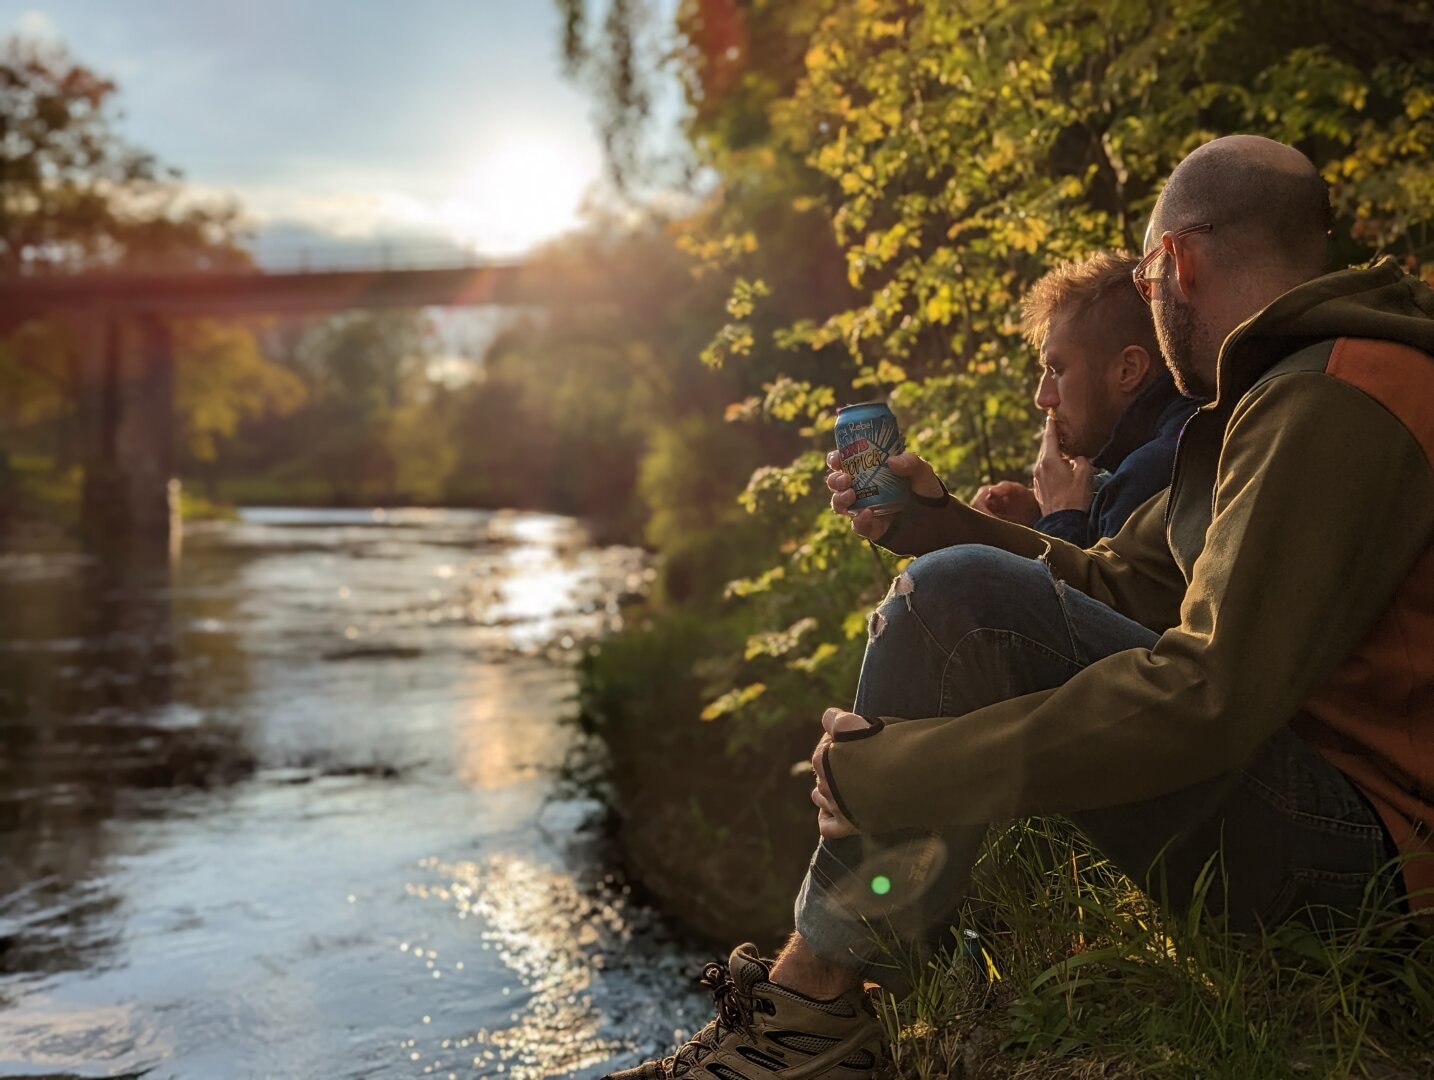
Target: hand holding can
[866,436]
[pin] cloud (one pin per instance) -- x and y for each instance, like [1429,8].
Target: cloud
[339,225]
[345,214]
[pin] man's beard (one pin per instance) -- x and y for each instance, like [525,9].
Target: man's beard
[1181,338]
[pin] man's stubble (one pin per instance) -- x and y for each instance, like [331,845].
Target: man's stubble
[1182,337]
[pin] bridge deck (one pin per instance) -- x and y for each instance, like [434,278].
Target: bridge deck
[253,293]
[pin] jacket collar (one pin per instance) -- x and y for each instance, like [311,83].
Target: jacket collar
[1377,301]
[1157,404]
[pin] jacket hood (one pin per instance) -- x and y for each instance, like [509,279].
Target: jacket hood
[1379,301]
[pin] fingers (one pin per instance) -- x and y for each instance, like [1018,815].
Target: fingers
[822,744]
[919,472]
[1050,440]
[831,822]
[867,525]
[1064,485]
[1001,494]
[834,826]
[907,465]
[839,484]
[982,500]
[1008,500]
[823,801]
[834,720]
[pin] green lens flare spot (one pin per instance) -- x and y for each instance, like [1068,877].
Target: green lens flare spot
[881,884]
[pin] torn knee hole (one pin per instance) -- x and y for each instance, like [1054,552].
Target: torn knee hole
[875,625]
[904,586]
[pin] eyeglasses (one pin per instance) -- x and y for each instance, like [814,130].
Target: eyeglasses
[1144,281]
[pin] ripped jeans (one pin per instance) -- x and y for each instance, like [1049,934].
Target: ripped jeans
[967,626]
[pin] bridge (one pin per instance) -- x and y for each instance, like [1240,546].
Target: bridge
[123,359]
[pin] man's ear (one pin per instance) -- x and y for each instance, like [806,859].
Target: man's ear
[1131,369]
[1187,259]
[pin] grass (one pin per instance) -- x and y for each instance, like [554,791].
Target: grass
[268,491]
[44,494]
[193,507]
[1066,971]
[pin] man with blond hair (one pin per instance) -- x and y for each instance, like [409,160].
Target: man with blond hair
[1113,414]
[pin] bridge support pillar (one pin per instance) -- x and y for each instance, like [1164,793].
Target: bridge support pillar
[127,414]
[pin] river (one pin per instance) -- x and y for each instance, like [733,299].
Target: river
[287,806]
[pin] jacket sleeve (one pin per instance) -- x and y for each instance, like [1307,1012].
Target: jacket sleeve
[1073,526]
[1132,572]
[1322,504]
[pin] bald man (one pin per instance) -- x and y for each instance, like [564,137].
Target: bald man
[1244,674]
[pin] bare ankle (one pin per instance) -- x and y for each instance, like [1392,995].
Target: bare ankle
[798,968]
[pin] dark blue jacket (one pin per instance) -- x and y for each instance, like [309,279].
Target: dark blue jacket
[1137,460]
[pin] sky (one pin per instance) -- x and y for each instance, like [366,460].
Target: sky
[349,126]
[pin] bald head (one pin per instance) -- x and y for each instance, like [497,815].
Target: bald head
[1268,203]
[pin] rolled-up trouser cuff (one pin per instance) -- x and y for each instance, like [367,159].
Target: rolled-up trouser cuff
[833,933]
[865,903]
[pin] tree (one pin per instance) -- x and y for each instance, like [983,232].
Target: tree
[221,380]
[366,369]
[74,195]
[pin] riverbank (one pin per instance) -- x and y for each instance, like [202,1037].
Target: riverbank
[43,499]
[1059,968]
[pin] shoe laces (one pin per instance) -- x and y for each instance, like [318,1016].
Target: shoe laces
[734,1013]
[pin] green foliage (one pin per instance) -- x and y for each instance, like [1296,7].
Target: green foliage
[688,477]
[366,375]
[32,490]
[221,379]
[954,153]
[695,813]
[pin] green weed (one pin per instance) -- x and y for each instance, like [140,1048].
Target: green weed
[1062,968]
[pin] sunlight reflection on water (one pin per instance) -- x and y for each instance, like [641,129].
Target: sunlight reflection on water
[544,930]
[116,1039]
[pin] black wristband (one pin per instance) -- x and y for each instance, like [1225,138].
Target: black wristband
[933,500]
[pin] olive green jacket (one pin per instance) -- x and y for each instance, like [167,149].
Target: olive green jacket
[1288,571]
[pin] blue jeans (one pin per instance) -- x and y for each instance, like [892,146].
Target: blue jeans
[974,625]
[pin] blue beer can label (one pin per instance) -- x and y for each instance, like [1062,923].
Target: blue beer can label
[866,435]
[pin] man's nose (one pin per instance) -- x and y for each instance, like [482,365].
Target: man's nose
[1046,396]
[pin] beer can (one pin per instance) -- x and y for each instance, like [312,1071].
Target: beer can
[866,435]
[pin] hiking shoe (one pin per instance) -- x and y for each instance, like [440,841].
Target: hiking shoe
[764,1031]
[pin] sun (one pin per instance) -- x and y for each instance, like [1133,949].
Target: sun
[519,193]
